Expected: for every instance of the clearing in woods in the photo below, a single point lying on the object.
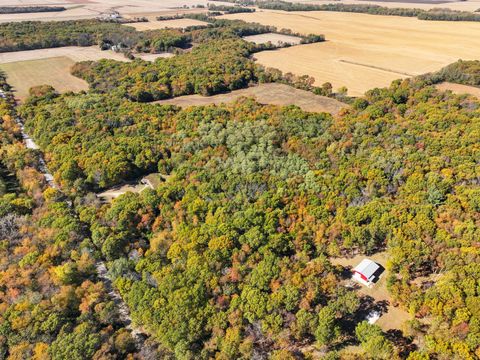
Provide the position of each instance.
(392, 317)
(167, 24)
(276, 39)
(274, 94)
(22, 75)
(366, 51)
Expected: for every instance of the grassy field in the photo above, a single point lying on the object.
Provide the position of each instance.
(153, 57)
(365, 51)
(276, 39)
(174, 24)
(25, 69)
(459, 89)
(22, 75)
(275, 94)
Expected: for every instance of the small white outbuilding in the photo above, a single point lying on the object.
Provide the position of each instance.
(366, 272)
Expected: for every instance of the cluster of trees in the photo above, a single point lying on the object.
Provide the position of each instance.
(30, 9)
(233, 248)
(27, 35)
(466, 72)
(213, 67)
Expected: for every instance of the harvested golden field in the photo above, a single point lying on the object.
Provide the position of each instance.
(164, 24)
(459, 89)
(366, 51)
(274, 94)
(75, 53)
(22, 75)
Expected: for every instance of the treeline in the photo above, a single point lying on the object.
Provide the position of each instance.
(436, 14)
(448, 15)
(355, 8)
(432, 14)
(230, 9)
(234, 245)
(30, 9)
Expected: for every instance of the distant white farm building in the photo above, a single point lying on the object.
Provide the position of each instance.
(367, 272)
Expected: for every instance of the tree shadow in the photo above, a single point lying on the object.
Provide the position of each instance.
(404, 344)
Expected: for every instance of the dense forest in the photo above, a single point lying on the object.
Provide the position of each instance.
(230, 256)
(234, 246)
(52, 305)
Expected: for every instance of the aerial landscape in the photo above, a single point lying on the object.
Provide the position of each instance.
(239, 179)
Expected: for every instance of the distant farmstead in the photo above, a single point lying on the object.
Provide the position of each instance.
(367, 272)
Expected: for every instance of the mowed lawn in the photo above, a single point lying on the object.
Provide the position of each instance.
(22, 75)
(365, 51)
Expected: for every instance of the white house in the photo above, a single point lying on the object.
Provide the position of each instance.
(366, 272)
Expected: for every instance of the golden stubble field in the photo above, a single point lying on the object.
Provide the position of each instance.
(366, 51)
